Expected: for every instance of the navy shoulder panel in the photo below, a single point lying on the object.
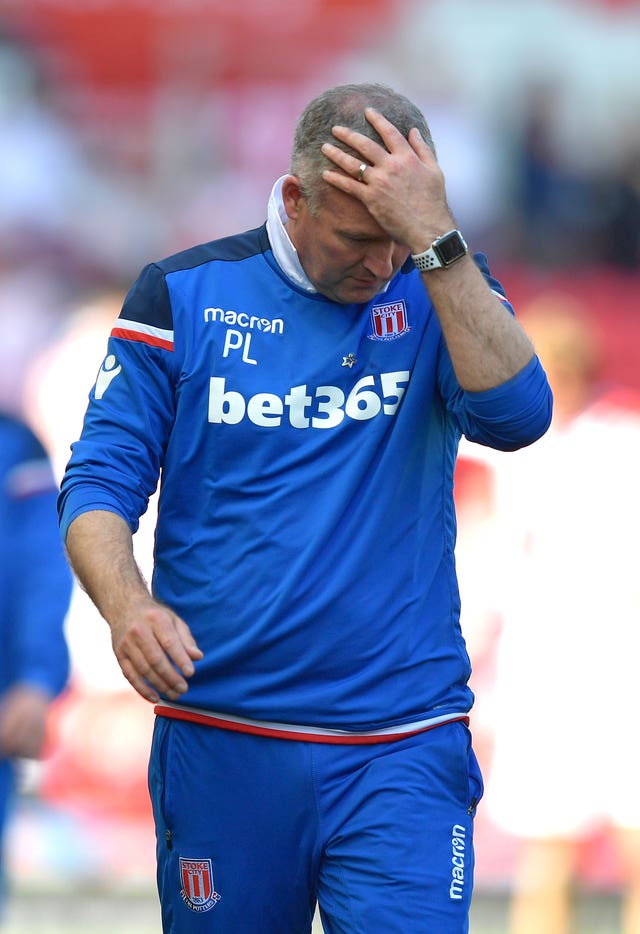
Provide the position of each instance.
(148, 303)
(230, 249)
(408, 266)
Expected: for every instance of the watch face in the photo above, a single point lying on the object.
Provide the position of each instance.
(450, 248)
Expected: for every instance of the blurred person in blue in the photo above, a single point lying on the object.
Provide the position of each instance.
(301, 388)
(565, 761)
(35, 591)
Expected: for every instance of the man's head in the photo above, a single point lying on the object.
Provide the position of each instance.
(344, 252)
(345, 105)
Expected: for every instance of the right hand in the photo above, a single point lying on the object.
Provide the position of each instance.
(155, 650)
(23, 720)
(403, 188)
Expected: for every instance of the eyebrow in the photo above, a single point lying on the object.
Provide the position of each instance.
(360, 235)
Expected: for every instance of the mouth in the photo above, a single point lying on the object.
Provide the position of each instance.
(367, 283)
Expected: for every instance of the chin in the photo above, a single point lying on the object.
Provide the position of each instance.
(361, 293)
(366, 295)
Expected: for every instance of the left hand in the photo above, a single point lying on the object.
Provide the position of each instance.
(23, 715)
(403, 186)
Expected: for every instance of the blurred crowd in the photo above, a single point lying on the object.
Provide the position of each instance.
(533, 109)
(542, 159)
(551, 582)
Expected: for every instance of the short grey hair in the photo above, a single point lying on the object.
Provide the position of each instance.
(345, 105)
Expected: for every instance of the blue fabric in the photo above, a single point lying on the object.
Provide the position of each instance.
(382, 835)
(7, 789)
(306, 524)
(35, 580)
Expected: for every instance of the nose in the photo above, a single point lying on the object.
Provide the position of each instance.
(379, 259)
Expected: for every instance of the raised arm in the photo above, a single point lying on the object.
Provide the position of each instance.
(154, 647)
(403, 188)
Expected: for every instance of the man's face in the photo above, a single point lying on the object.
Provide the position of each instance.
(344, 252)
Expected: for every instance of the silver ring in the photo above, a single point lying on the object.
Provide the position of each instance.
(361, 170)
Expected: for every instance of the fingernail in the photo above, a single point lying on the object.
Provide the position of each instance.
(176, 692)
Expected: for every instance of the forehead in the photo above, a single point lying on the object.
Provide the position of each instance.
(345, 214)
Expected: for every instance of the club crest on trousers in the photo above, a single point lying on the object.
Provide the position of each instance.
(197, 888)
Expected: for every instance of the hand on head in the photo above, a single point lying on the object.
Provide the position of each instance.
(400, 183)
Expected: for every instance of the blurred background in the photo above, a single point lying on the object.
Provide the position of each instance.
(130, 129)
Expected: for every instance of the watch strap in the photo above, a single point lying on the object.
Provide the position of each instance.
(443, 252)
(426, 261)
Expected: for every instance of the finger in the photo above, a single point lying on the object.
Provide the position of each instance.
(396, 144)
(363, 145)
(177, 654)
(175, 639)
(420, 146)
(390, 134)
(350, 164)
(152, 676)
(345, 183)
(190, 645)
(399, 145)
(144, 661)
(144, 689)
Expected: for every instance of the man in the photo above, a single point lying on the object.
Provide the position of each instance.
(35, 590)
(302, 388)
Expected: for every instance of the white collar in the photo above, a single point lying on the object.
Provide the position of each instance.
(283, 249)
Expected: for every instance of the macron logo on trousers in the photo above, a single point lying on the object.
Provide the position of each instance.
(458, 844)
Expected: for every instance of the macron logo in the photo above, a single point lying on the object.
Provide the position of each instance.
(458, 844)
(108, 372)
(243, 320)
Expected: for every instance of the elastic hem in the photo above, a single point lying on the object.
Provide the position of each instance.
(309, 734)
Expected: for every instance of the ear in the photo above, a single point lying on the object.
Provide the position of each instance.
(292, 196)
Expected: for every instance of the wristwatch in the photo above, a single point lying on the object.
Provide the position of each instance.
(443, 252)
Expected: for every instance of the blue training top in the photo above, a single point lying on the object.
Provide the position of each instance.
(35, 580)
(306, 522)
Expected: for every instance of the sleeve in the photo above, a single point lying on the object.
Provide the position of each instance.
(40, 581)
(507, 417)
(116, 463)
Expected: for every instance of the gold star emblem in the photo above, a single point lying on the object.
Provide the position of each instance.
(349, 360)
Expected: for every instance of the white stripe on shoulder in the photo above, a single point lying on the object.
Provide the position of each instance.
(141, 328)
